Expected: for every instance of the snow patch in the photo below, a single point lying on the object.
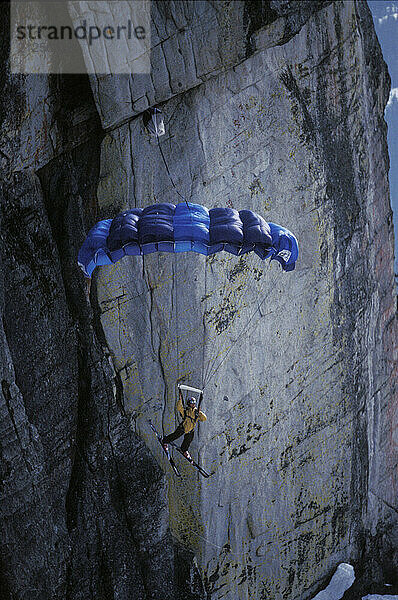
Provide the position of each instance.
(392, 13)
(393, 96)
(343, 579)
(378, 597)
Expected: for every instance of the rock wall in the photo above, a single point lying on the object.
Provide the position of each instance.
(273, 106)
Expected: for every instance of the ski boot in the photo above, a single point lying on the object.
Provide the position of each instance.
(188, 456)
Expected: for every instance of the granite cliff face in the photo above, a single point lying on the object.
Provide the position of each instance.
(273, 106)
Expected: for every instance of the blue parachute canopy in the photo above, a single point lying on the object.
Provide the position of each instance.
(182, 228)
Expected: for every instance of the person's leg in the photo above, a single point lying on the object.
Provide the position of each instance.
(175, 435)
(188, 437)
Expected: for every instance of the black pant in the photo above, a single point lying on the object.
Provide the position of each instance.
(188, 437)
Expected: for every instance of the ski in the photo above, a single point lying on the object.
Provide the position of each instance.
(191, 461)
(167, 453)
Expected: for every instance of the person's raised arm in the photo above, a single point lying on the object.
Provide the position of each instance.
(201, 415)
(180, 402)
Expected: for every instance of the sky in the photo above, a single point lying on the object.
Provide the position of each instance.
(385, 18)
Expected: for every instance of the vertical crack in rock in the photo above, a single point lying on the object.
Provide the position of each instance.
(5, 386)
(162, 372)
(157, 352)
(308, 126)
(142, 558)
(119, 393)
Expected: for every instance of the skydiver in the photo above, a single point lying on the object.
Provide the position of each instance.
(190, 415)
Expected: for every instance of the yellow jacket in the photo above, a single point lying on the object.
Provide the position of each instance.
(190, 416)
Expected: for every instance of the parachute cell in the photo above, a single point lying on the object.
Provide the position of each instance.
(186, 227)
(93, 251)
(286, 245)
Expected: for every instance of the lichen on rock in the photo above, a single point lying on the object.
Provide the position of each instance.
(273, 106)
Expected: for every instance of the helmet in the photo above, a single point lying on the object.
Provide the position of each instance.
(191, 401)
